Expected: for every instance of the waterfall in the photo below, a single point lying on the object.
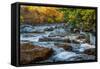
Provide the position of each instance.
(92, 39)
(81, 26)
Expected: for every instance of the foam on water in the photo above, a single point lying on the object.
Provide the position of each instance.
(59, 54)
(31, 39)
(64, 56)
(85, 46)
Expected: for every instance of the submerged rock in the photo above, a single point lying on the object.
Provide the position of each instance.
(81, 37)
(58, 39)
(71, 56)
(66, 47)
(31, 29)
(90, 51)
(78, 41)
(49, 29)
(58, 32)
(74, 30)
(26, 28)
(30, 53)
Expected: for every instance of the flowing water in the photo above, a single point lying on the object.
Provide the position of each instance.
(52, 35)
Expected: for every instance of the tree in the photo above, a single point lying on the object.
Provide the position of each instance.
(34, 14)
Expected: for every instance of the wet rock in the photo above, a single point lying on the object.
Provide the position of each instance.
(81, 37)
(90, 51)
(57, 39)
(26, 28)
(28, 35)
(31, 29)
(38, 31)
(30, 53)
(49, 29)
(24, 41)
(78, 41)
(58, 32)
(74, 30)
(66, 47)
(68, 40)
(75, 41)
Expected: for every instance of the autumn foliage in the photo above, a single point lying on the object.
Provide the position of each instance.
(30, 14)
(78, 18)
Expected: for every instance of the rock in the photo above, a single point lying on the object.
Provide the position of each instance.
(75, 41)
(24, 41)
(66, 47)
(90, 51)
(49, 29)
(74, 30)
(38, 31)
(30, 53)
(78, 41)
(28, 35)
(68, 40)
(31, 29)
(58, 32)
(58, 39)
(26, 28)
(81, 37)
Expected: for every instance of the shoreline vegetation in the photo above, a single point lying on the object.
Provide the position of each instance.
(76, 17)
(51, 34)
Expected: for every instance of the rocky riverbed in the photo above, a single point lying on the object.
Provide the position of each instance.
(55, 43)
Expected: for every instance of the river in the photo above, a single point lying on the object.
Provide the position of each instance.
(53, 35)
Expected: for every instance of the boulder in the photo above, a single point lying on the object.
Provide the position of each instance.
(58, 32)
(90, 51)
(75, 41)
(66, 47)
(53, 39)
(74, 30)
(30, 53)
(49, 29)
(26, 28)
(78, 41)
(81, 37)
